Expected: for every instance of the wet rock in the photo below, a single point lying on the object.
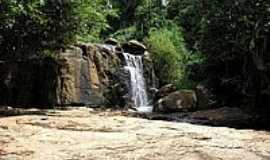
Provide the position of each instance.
(179, 101)
(153, 91)
(151, 79)
(118, 94)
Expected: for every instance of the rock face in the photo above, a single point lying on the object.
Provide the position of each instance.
(151, 79)
(78, 79)
(31, 82)
(179, 101)
(85, 74)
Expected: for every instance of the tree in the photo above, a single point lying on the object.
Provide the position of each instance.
(137, 18)
(188, 14)
(170, 56)
(93, 17)
(27, 28)
(234, 38)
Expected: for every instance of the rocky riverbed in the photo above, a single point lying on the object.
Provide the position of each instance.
(85, 134)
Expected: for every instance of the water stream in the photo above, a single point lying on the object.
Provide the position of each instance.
(134, 65)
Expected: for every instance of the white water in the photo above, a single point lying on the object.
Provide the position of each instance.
(138, 87)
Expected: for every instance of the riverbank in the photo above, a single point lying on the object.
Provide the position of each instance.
(85, 134)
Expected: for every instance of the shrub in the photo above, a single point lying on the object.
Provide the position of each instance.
(170, 56)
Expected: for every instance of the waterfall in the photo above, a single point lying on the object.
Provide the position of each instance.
(138, 91)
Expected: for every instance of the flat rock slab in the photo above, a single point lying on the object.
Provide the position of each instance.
(84, 134)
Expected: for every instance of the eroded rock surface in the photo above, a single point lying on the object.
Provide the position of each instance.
(85, 134)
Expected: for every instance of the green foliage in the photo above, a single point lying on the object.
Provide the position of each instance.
(126, 10)
(125, 34)
(164, 55)
(150, 14)
(93, 19)
(170, 57)
(234, 39)
(29, 27)
(136, 18)
(188, 15)
(231, 36)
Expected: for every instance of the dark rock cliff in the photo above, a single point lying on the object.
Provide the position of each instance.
(30, 82)
(85, 74)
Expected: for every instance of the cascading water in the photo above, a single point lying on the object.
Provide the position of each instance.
(134, 65)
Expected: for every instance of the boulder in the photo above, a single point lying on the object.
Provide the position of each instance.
(165, 91)
(111, 41)
(136, 44)
(105, 49)
(179, 101)
(134, 47)
(153, 91)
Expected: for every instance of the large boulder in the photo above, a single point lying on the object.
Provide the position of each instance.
(134, 47)
(179, 101)
(165, 91)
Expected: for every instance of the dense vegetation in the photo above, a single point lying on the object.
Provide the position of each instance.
(222, 43)
(41, 26)
(234, 38)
